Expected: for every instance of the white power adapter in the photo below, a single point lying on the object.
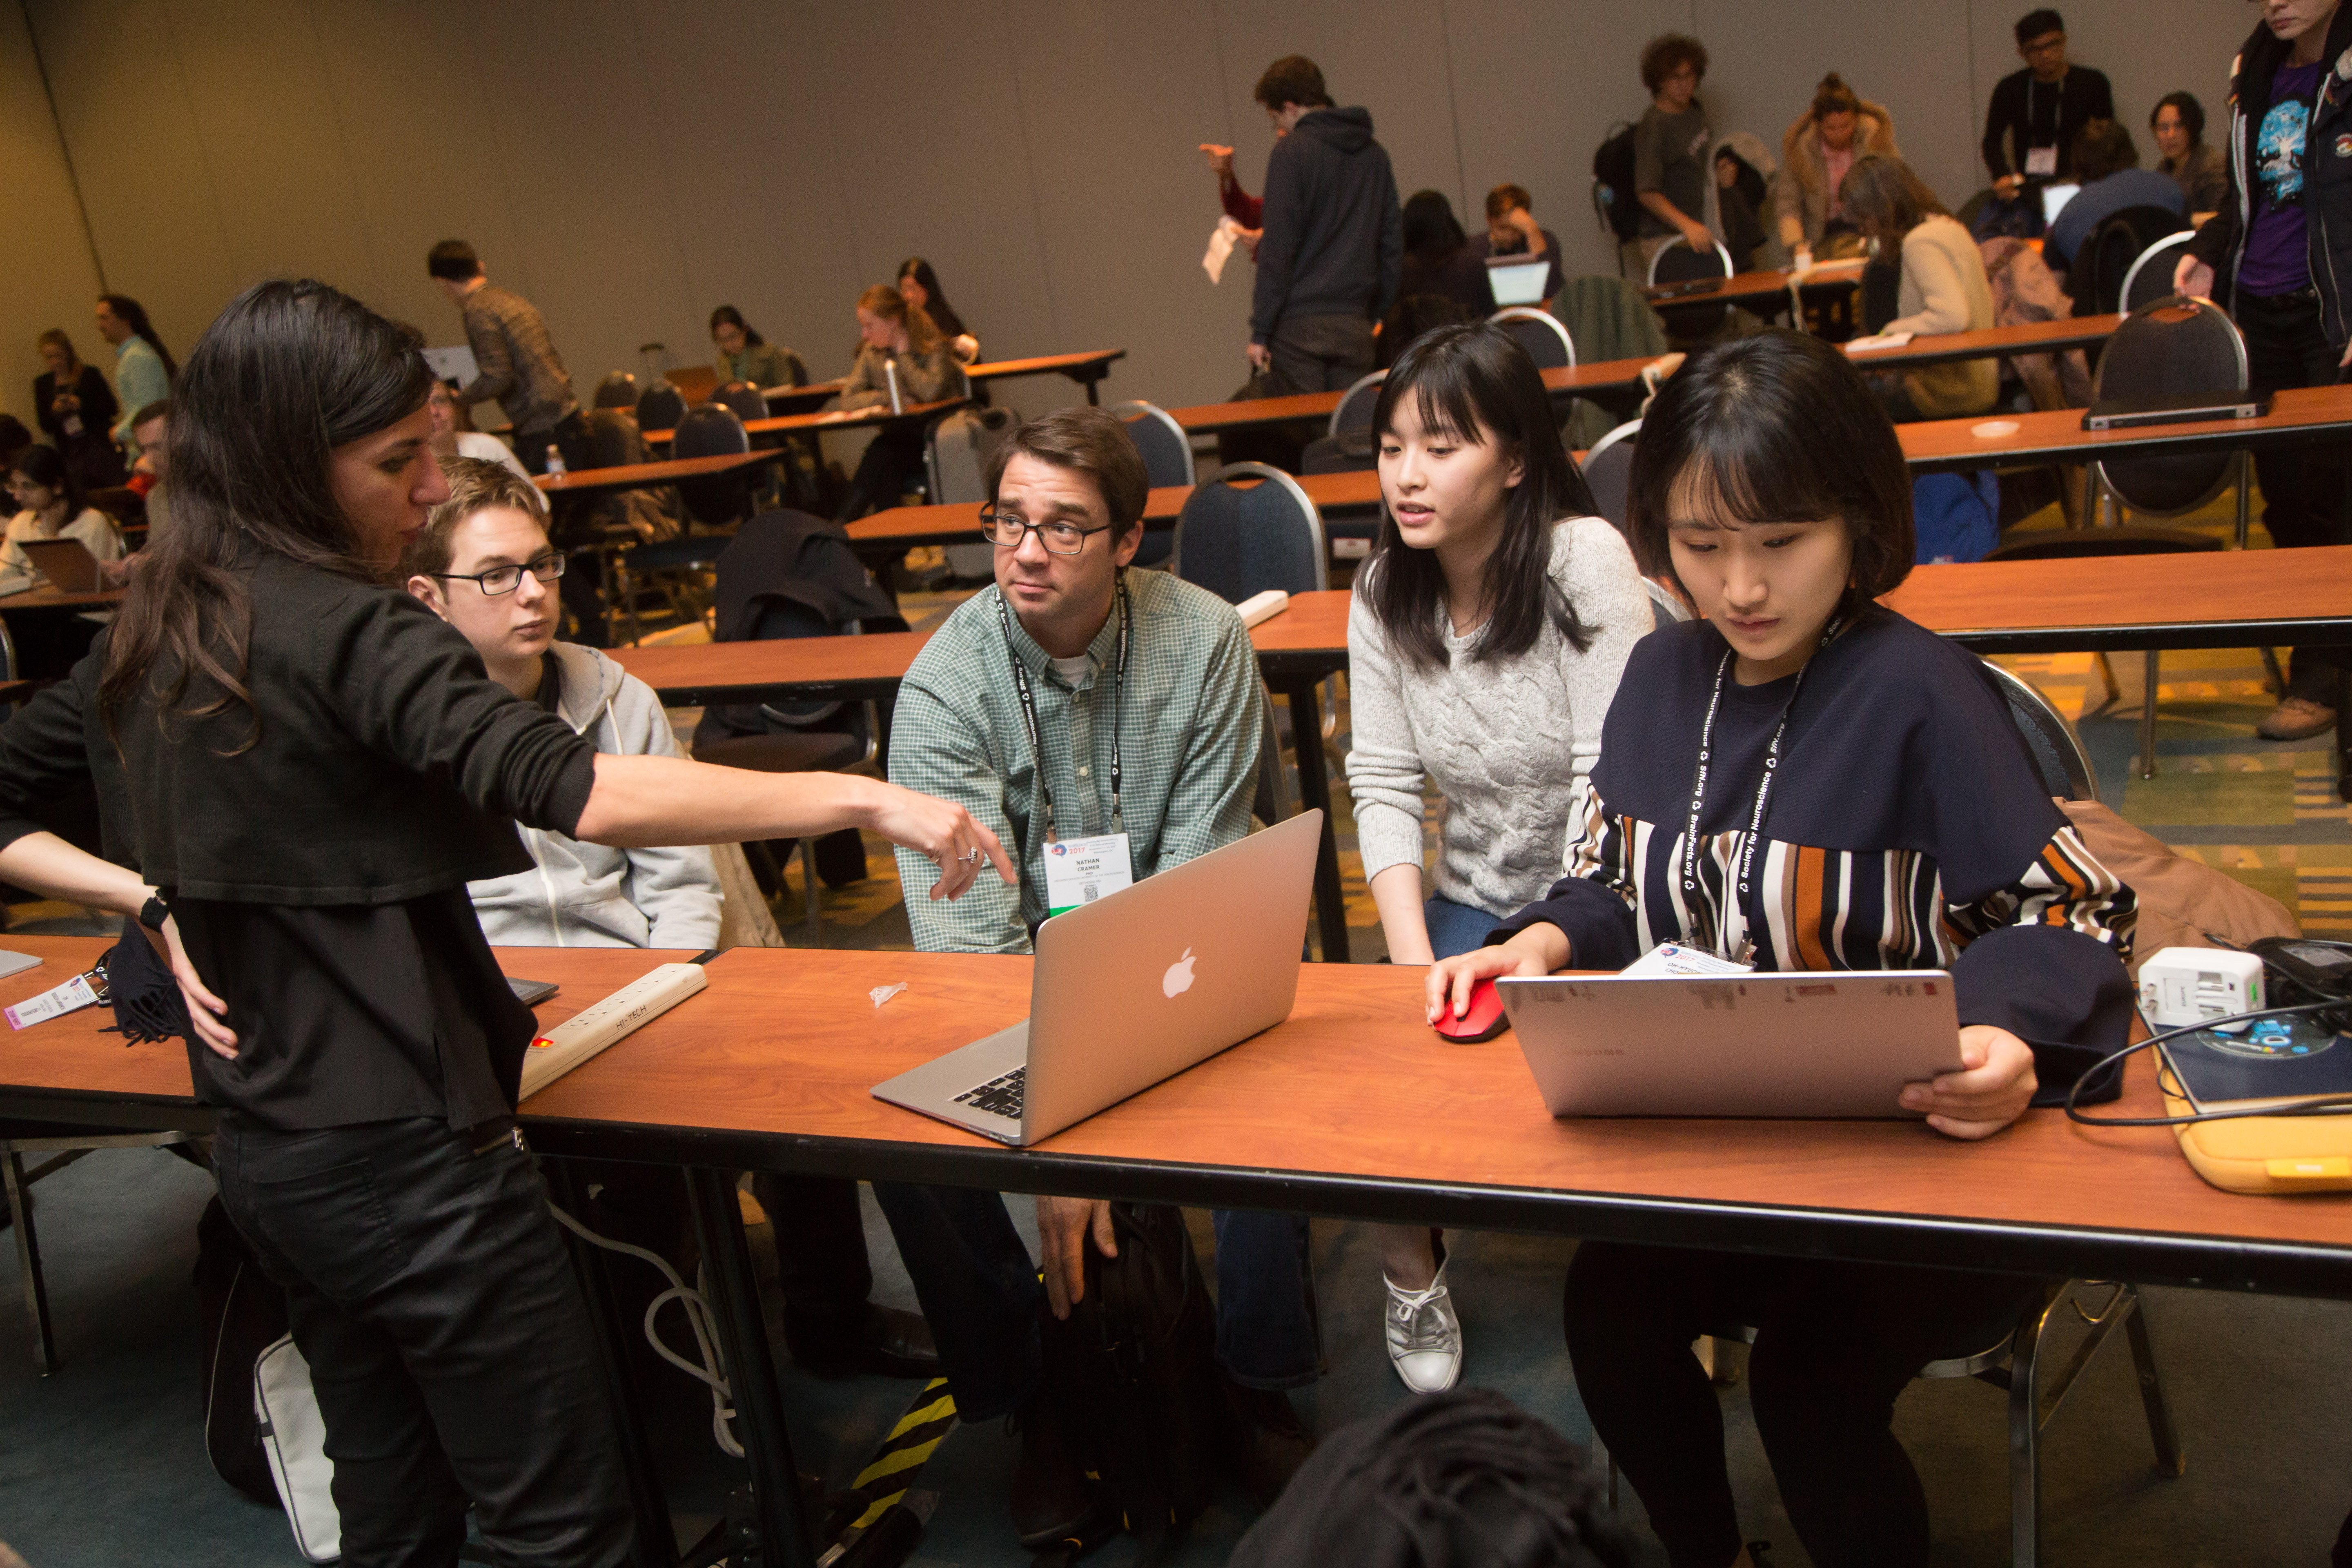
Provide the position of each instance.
(2179, 986)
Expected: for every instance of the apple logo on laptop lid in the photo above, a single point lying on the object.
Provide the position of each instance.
(1178, 978)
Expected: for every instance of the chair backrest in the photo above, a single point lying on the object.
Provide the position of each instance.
(1356, 404)
(661, 408)
(711, 430)
(743, 398)
(618, 390)
(2174, 345)
(1540, 333)
(613, 439)
(1676, 262)
(2083, 544)
(1608, 473)
(1236, 543)
(1349, 454)
(2150, 277)
(2095, 278)
(2058, 755)
(1167, 450)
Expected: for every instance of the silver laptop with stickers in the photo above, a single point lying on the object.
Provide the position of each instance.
(1134, 988)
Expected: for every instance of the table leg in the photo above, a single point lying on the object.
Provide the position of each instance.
(2344, 733)
(656, 1542)
(28, 1260)
(1315, 790)
(751, 1370)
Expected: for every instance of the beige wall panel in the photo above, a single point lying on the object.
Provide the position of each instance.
(148, 177)
(52, 276)
(1118, 101)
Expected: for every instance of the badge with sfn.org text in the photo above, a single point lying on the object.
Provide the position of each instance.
(1080, 870)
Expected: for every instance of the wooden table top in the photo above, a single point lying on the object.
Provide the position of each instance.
(47, 596)
(2029, 337)
(2297, 415)
(1826, 276)
(1075, 366)
(1354, 1106)
(581, 481)
(86, 1071)
(801, 399)
(904, 527)
(832, 419)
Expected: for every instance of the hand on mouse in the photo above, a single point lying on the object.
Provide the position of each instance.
(1536, 951)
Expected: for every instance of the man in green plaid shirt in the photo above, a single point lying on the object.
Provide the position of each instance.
(1172, 763)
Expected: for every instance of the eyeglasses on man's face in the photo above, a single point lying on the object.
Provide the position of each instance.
(1008, 530)
(507, 579)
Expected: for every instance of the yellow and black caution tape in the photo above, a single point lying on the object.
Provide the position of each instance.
(901, 1460)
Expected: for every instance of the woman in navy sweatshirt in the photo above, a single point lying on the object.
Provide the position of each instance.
(1865, 803)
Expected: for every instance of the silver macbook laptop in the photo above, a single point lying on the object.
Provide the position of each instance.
(1135, 988)
(1832, 1043)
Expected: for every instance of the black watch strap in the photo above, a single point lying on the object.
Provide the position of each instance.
(154, 912)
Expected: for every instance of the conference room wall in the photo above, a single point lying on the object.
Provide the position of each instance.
(628, 168)
(52, 272)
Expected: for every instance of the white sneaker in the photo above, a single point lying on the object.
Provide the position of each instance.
(1424, 1336)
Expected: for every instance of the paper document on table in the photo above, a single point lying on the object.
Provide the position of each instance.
(589, 1031)
(1220, 246)
(1883, 341)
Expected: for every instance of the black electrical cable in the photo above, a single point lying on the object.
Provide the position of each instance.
(2326, 1105)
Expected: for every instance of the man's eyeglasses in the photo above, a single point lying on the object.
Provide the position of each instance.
(507, 579)
(1006, 530)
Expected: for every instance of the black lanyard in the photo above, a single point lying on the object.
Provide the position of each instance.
(1029, 707)
(1763, 785)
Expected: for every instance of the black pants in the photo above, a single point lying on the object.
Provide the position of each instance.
(581, 591)
(1835, 1343)
(1321, 354)
(894, 457)
(820, 1262)
(448, 1340)
(568, 436)
(2302, 486)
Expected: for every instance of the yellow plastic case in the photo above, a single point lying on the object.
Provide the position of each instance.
(2265, 1153)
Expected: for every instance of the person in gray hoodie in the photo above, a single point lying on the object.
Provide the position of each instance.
(1333, 250)
(482, 562)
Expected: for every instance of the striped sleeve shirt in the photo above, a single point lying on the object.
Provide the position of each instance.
(1186, 736)
(1907, 829)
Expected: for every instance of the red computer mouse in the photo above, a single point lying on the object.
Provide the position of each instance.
(1484, 1021)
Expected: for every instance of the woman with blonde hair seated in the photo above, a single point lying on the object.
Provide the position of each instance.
(896, 343)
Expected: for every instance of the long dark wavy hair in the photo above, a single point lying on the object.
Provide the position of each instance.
(1476, 385)
(935, 299)
(42, 465)
(134, 315)
(286, 374)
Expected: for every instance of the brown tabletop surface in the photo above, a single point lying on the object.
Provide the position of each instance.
(1354, 1090)
(71, 1057)
(1601, 376)
(694, 674)
(831, 419)
(668, 471)
(2297, 413)
(47, 596)
(1762, 284)
(2027, 337)
(1090, 359)
(908, 526)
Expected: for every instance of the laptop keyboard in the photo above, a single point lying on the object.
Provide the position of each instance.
(999, 1096)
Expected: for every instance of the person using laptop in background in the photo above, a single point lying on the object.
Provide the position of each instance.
(483, 563)
(1484, 641)
(1081, 701)
(52, 506)
(1861, 800)
(1512, 230)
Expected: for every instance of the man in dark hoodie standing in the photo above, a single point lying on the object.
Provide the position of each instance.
(1333, 250)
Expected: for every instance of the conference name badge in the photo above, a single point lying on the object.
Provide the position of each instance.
(1080, 870)
(81, 991)
(2041, 161)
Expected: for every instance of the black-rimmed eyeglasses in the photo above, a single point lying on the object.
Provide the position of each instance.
(1006, 530)
(507, 579)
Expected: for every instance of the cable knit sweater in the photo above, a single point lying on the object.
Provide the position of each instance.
(1501, 740)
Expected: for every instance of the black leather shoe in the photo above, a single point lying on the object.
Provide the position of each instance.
(886, 1344)
(1269, 1441)
(1052, 1501)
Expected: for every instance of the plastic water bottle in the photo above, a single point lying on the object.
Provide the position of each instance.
(890, 372)
(554, 460)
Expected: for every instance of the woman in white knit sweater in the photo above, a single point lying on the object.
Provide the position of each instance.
(1488, 631)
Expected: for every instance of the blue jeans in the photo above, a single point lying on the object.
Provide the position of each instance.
(1455, 928)
(982, 1295)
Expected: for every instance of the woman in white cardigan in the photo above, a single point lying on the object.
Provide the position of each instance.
(1944, 288)
(1488, 631)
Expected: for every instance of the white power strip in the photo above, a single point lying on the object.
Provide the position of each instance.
(592, 1028)
(1263, 606)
